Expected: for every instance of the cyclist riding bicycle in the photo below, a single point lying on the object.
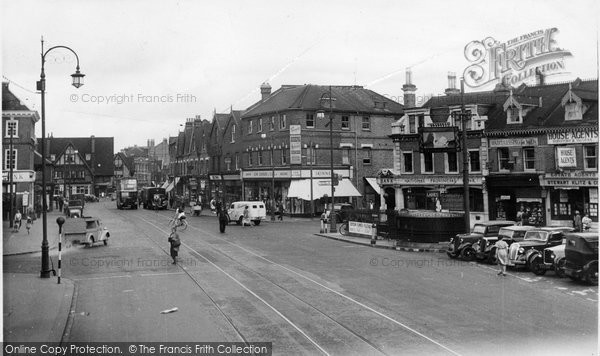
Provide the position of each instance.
(179, 215)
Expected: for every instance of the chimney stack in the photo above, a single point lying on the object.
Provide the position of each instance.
(265, 91)
(409, 91)
(452, 90)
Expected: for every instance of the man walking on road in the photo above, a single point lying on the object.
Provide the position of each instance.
(175, 243)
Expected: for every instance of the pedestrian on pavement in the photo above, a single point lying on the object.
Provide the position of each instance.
(246, 218)
(586, 222)
(501, 255)
(17, 222)
(175, 243)
(29, 223)
(280, 210)
(61, 202)
(577, 224)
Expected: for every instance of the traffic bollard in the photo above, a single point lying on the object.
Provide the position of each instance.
(373, 234)
(60, 221)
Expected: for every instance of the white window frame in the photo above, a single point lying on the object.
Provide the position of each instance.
(447, 163)
(346, 122)
(500, 169)
(509, 115)
(259, 128)
(416, 124)
(237, 161)
(525, 149)
(365, 120)
(232, 133)
(432, 164)
(310, 118)
(7, 156)
(16, 131)
(586, 157)
(282, 122)
(346, 156)
(367, 156)
(412, 161)
(471, 170)
(249, 127)
(272, 123)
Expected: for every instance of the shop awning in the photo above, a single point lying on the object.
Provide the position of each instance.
(373, 183)
(301, 189)
(165, 185)
(170, 187)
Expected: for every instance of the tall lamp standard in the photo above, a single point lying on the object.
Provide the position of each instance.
(41, 86)
(263, 136)
(12, 124)
(465, 157)
(321, 115)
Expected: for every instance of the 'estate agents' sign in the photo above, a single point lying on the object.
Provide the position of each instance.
(570, 179)
(568, 137)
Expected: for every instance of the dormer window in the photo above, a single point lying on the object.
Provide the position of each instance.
(573, 111)
(514, 115)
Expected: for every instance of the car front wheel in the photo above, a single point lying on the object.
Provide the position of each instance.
(591, 275)
(468, 254)
(256, 222)
(536, 266)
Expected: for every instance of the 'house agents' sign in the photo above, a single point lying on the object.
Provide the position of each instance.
(569, 137)
(513, 61)
(566, 157)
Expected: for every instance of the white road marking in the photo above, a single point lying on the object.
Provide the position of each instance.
(323, 286)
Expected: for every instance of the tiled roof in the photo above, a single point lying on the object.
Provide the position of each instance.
(104, 150)
(354, 99)
(10, 100)
(550, 114)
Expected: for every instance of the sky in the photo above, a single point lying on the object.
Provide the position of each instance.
(149, 65)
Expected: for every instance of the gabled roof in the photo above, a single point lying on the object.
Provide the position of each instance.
(127, 161)
(352, 99)
(104, 148)
(10, 100)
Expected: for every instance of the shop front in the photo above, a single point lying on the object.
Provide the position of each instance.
(437, 193)
(510, 194)
(569, 192)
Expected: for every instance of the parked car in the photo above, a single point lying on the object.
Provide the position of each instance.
(535, 241)
(581, 253)
(484, 247)
(458, 244)
(91, 198)
(342, 211)
(257, 211)
(552, 258)
(95, 232)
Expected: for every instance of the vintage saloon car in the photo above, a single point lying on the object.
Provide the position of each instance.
(524, 252)
(490, 229)
(552, 258)
(581, 253)
(484, 248)
(95, 232)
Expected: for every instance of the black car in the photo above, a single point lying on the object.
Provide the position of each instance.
(523, 253)
(462, 244)
(581, 253)
(342, 212)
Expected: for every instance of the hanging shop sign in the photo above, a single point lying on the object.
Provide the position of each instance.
(438, 139)
(566, 157)
(514, 142)
(514, 61)
(20, 176)
(295, 144)
(570, 137)
(570, 179)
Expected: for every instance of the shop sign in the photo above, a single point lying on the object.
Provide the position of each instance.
(231, 176)
(295, 144)
(428, 180)
(570, 179)
(566, 157)
(214, 177)
(514, 61)
(514, 142)
(20, 176)
(361, 228)
(504, 197)
(570, 137)
(294, 173)
(434, 194)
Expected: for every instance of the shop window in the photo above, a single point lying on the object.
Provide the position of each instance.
(345, 123)
(451, 162)
(529, 158)
(590, 157)
(427, 162)
(368, 155)
(504, 162)
(310, 121)
(346, 156)
(8, 162)
(474, 162)
(408, 162)
(366, 123)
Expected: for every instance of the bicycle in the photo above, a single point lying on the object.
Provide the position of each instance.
(175, 223)
(343, 229)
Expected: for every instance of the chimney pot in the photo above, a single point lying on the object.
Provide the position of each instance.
(409, 90)
(265, 90)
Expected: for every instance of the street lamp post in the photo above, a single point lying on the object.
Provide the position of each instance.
(321, 115)
(11, 131)
(465, 156)
(41, 86)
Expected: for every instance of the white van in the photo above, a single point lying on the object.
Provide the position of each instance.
(257, 210)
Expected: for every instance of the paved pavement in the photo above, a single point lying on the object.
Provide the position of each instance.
(35, 309)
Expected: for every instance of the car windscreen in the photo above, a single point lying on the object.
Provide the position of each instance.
(506, 233)
(479, 229)
(536, 235)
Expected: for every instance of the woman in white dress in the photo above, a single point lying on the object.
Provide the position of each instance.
(502, 255)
